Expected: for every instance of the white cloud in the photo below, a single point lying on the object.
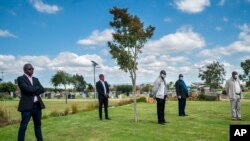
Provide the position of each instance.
(44, 8)
(225, 19)
(192, 6)
(184, 39)
(168, 19)
(218, 28)
(73, 60)
(221, 2)
(97, 38)
(6, 33)
(244, 58)
(242, 45)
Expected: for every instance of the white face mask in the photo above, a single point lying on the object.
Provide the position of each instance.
(181, 78)
(235, 76)
(163, 75)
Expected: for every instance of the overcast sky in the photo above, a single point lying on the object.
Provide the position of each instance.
(67, 34)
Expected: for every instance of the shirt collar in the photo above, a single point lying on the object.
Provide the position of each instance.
(28, 75)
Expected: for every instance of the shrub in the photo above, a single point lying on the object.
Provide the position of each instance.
(55, 113)
(4, 114)
(141, 99)
(91, 106)
(207, 97)
(45, 116)
(66, 111)
(5, 97)
(74, 108)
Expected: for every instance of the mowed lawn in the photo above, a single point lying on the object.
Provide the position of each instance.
(207, 121)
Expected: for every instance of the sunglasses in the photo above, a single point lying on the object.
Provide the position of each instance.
(30, 68)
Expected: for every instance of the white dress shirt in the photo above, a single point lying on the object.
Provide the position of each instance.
(31, 81)
(105, 92)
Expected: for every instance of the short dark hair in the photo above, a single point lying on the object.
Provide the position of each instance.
(234, 73)
(101, 75)
(26, 65)
(180, 75)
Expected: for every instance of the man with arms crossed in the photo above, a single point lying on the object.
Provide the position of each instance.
(30, 104)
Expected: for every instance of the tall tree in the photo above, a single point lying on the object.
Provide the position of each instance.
(90, 87)
(62, 78)
(128, 40)
(79, 82)
(246, 69)
(7, 87)
(213, 74)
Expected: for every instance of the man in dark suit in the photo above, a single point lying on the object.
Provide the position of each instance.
(182, 94)
(30, 104)
(102, 88)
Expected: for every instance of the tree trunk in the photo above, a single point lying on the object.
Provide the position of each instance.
(135, 103)
(66, 94)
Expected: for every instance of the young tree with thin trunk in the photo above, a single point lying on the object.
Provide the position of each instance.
(128, 40)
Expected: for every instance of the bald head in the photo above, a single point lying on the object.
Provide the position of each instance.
(28, 69)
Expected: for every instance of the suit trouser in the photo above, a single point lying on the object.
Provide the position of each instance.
(235, 107)
(103, 101)
(36, 114)
(182, 106)
(161, 109)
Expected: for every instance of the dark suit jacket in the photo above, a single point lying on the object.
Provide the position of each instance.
(100, 88)
(180, 90)
(28, 92)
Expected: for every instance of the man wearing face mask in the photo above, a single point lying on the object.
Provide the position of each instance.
(160, 93)
(182, 94)
(233, 89)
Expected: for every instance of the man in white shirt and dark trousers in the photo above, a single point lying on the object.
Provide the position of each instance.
(102, 88)
(30, 104)
(160, 93)
(233, 89)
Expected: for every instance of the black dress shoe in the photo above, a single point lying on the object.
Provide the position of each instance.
(108, 118)
(162, 123)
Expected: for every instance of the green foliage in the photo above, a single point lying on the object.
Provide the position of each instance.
(90, 88)
(4, 97)
(3, 114)
(45, 116)
(79, 83)
(66, 111)
(7, 87)
(203, 97)
(74, 108)
(141, 99)
(246, 69)
(213, 74)
(146, 88)
(124, 88)
(55, 113)
(128, 40)
(61, 78)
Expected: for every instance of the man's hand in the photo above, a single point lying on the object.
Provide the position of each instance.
(179, 97)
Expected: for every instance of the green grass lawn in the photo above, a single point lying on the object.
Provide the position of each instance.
(207, 121)
(246, 95)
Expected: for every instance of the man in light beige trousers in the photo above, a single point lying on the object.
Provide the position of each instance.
(234, 91)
